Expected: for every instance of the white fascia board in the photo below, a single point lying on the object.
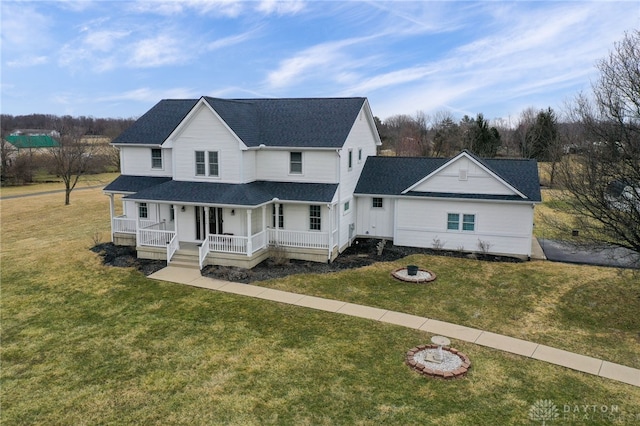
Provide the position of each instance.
(372, 122)
(470, 200)
(289, 148)
(137, 145)
(183, 203)
(118, 192)
(469, 157)
(168, 143)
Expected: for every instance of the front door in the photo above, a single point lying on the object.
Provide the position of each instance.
(215, 220)
(201, 230)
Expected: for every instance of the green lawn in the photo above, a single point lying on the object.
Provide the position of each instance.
(87, 344)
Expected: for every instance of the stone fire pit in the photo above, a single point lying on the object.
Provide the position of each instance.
(422, 276)
(454, 364)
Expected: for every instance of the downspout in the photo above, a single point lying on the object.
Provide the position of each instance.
(330, 231)
(339, 151)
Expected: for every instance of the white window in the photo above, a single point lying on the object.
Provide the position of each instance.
(359, 155)
(156, 158)
(207, 163)
(377, 203)
(213, 164)
(143, 211)
(295, 163)
(347, 206)
(200, 164)
(350, 159)
(453, 221)
(280, 216)
(468, 222)
(315, 218)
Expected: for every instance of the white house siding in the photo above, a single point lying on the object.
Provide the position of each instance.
(375, 222)
(362, 137)
(249, 166)
(317, 166)
(206, 132)
(478, 180)
(136, 161)
(506, 227)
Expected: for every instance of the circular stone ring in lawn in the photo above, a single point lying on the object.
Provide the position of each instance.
(454, 364)
(422, 276)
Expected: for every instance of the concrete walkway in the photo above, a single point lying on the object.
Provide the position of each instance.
(571, 360)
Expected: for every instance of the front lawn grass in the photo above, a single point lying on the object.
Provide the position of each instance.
(55, 183)
(83, 343)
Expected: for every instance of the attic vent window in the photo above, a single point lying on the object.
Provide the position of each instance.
(462, 174)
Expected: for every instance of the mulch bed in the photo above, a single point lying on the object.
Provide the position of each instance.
(362, 252)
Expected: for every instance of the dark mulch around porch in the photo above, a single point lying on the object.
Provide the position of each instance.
(362, 252)
(125, 256)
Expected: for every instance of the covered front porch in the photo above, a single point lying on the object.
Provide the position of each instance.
(225, 235)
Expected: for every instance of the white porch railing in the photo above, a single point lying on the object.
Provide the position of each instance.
(259, 241)
(154, 238)
(172, 247)
(203, 251)
(124, 225)
(152, 224)
(127, 225)
(228, 244)
(303, 239)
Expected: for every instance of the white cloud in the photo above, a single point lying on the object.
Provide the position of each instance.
(145, 94)
(228, 8)
(104, 40)
(230, 40)
(280, 7)
(28, 61)
(156, 51)
(325, 59)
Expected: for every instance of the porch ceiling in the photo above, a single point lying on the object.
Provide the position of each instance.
(246, 194)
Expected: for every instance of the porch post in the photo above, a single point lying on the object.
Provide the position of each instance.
(113, 212)
(249, 233)
(137, 223)
(176, 212)
(330, 207)
(264, 226)
(207, 231)
(277, 220)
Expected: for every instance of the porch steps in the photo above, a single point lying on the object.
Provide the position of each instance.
(185, 258)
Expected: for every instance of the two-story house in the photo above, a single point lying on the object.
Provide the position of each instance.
(232, 179)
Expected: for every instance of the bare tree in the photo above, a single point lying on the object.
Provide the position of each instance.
(603, 181)
(526, 120)
(406, 134)
(446, 134)
(71, 159)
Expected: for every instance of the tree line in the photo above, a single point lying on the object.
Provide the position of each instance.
(108, 127)
(83, 147)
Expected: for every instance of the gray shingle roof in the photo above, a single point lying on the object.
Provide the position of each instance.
(247, 194)
(155, 126)
(132, 184)
(288, 122)
(392, 175)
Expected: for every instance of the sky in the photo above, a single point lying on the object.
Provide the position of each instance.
(119, 58)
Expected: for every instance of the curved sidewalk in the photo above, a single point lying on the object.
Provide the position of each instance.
(512, 345)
